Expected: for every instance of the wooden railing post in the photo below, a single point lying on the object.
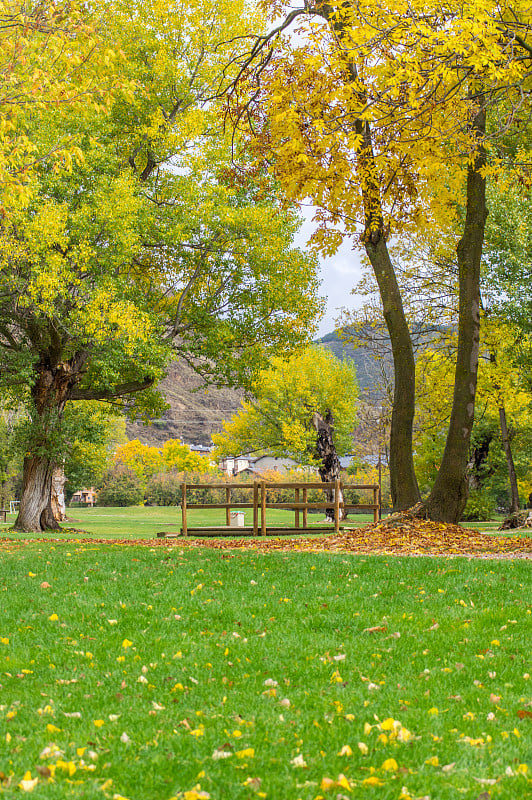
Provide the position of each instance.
(184, 508)
(255, 508)
(376, 502)
(296, 494)
(228, 510)
(263, 508)
(336, 505)
(305, 510)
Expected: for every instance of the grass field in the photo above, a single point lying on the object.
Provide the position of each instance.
(140, 522)
(171, 673)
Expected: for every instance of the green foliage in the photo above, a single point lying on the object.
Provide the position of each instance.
(507, 259)
(117, 264)
(121, 487)
(480, 505)
(95, 432)
(164, 489)
(278, 418)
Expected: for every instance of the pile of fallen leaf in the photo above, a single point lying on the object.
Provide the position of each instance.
(412, 537)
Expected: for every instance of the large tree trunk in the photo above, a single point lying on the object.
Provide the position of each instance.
(448, 497)
(403, 483)
(329, 470)
(36, 488)
(52, 389)
(514, 491)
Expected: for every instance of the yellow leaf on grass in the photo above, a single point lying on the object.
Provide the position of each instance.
(390, 765)
(345, 751)
(53, 618)
(249, 752)
(387, 725)
(373, 781)
(364, 749)
(343, 783)
(52, 728)
(196, 794)
(340, 783)
(98, 723)
(433, 711)
(126, 643)
(28, 784)
(433, 762)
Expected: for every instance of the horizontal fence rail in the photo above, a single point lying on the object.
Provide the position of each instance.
(261, 503)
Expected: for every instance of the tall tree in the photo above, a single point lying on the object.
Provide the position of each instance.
(377, 113)
(145, 250)
(303, 407)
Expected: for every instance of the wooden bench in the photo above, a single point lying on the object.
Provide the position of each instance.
(3, 514)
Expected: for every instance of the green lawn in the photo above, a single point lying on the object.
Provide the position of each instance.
(166, 673)
(141, 522)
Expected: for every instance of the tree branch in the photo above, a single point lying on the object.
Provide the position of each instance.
(118, 391)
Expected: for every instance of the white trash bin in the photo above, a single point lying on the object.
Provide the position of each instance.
(236, 519)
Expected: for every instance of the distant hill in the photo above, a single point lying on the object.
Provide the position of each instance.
(194, 414)
(369, 368)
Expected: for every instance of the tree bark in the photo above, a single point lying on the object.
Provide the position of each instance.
(36, 488)
(448, 497)
(514, 491)
(330, 468)
(51, 391)
(403, 482)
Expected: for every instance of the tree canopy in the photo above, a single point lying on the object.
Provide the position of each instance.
(144, 249)
(377, 112)
(278, 417)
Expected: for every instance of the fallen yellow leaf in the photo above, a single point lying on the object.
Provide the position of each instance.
(390, 765)
(28, 784)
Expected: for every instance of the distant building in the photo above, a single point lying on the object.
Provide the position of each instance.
(261, 464)
(234, 465)
(246, 465)
(86, 497)
(199, 448)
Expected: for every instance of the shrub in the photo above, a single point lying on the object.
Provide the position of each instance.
(480, 506)
(121, 487)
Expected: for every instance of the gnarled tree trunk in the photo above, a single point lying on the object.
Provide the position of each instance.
(403, 482)
(330, 463)
(36, 488)
(50, 393)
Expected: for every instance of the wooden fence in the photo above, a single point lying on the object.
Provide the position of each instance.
(260, 503)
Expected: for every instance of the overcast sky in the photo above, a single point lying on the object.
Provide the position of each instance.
(339, 274)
